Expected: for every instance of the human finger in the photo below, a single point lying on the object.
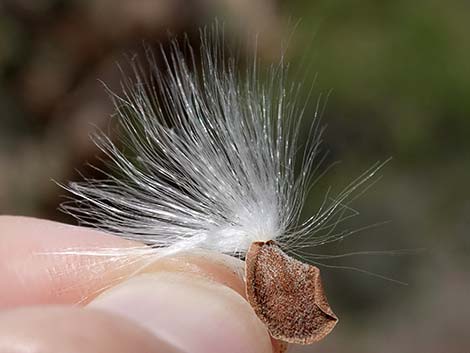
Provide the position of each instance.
(62, 329)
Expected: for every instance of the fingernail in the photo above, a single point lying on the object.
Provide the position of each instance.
(193, 314)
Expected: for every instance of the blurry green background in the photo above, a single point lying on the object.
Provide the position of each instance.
(399, 73)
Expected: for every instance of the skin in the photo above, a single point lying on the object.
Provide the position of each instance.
(190, 303)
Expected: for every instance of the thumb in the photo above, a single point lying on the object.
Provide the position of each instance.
(193, 303)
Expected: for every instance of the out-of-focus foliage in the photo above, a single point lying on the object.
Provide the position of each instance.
(403, 65)
(400, 79)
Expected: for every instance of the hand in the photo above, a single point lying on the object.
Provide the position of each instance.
(188, 303)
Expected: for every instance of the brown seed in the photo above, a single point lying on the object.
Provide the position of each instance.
(287, 295)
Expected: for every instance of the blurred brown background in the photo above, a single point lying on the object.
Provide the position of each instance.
(400, 78)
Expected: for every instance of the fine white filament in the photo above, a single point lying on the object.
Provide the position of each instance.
(209, 159)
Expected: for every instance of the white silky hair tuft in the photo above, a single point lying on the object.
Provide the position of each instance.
(208, 158)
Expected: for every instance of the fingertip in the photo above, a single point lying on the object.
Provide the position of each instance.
(193, 313)
(30, 279)
(30, 274)
(74, 330)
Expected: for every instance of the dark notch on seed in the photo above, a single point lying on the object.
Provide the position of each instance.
(287, 295)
